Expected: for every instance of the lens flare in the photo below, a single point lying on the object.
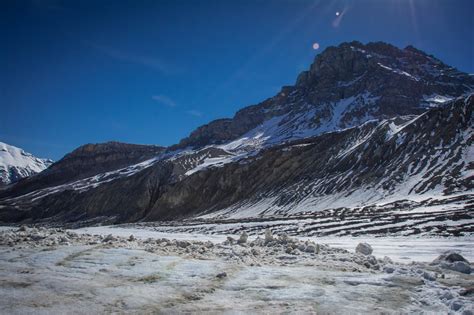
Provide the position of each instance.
(315, 46)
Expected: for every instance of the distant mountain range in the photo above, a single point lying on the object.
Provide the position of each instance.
(16, 164)
(365, 125)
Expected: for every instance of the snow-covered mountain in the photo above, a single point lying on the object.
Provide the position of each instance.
(16, 164)
(367, 125)
(345, 86)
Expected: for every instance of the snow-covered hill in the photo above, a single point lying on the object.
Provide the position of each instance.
(16, 164)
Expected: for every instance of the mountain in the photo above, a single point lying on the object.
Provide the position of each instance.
(365, 126)
(344, 87)
(87, 161)
(16, 164)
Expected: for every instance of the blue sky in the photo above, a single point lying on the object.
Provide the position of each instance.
(76, 72)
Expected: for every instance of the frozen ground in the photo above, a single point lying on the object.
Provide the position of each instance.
(54, 271)
(400, 249)
(408, 249)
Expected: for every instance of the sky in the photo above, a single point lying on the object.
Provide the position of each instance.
(150, 72)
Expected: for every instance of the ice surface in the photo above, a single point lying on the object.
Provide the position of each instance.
(402, 249)
(152, 275)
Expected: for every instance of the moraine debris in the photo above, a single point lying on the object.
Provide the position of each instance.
(364, 249)
(243, 238)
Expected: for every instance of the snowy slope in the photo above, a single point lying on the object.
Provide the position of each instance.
(15, 164)
(426, 159)
(414, 161)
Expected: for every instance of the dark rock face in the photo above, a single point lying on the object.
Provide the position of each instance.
(222, 130)
(92, 159)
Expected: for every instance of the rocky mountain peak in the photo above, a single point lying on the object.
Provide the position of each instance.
(345, 86)
(350, 60)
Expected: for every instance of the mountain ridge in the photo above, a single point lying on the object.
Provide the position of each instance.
(157, 192)
(87, 160)
(338, 73)
(350, 133)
